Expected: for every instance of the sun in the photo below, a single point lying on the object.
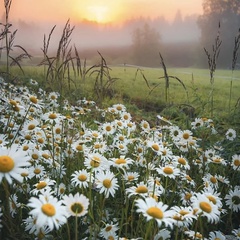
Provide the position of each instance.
(98, 13)
(105, 12)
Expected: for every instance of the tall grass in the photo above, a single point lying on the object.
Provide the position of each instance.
(212, 65)
(7, 37)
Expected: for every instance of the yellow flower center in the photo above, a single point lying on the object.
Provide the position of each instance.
(183, 212)
(57, 130)
(95, 134)
(52, 116)
(130, 178)
(79, 147)
(186, 136)
(13, 102)
(155, 212)
(37, 170)
(205, 206)
(107, 183)
(6, 164)
(48, 209)
(145, 125)
(120, 161)
(141, 189)
(108, 228)
(213, 179)
(41, 185)
(95, 162)
(31, 127)
(212, 199)
(108, 128)
(188, 178)
(25, 148)
(45, 155)
(121, 138)
(33, 99)
(182, 161)
(168, 170)
(82, 177)
(155, 147)
(77, 208)
(236, 162)
(187, 196)
(35, 156)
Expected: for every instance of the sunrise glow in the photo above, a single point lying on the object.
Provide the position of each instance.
(101, 11)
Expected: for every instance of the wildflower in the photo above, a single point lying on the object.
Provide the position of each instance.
(43, 185)
(80, 178)
(198, 122)
(119, 108)
(186, 136)
(37, 171)
(175, 133)
(13, 204)
(96, 162)
(235, 162)
(108, 128)
(163, 234)
(168, 171)
(141, 189)
(155, 210)
(216, 235)
(131, 176)
(145, 126)
(230, 134)
(181, 162)
(12, 162)
(76, 205)
(195, 235)
(233, 199)
(48, 211)
(203, 206)
(122, 162)
(236, 233)
(33, 82)
(60, 189)
(183, 216)
(109, 230)
(126, 117)
(107, 183)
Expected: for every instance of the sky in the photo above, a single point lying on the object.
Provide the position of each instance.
(102, 11)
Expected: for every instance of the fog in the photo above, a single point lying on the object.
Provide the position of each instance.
(91, 35)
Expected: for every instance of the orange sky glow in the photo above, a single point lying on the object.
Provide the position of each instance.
(102, 11)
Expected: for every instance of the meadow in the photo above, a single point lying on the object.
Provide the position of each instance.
(93, 151)
(76, 168)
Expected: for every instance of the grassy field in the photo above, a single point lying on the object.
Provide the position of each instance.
(143, 90)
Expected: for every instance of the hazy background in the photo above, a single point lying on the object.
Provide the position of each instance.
(124, 31)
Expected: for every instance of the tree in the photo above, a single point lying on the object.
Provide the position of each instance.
(146, 43)
(227, 14)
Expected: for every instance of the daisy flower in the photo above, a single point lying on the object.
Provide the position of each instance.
(96, 162)
(48, 211)
(122, 162)
(155, 210)
(119, 108)
(168, 171)
(108, 230)
(13, 204)
(216, 235)
(131, 177)
(203, 206)
(107, 183)
(80, 178)
(12, 162)
(233, 199)
(141, 189)
(108, 128)
(235, 162)
(163, 234)
(43, 185)
(183, 216)
(76, 205)
(198, 122)
(181, 162)
(236, 233)
(145, 126)
(230, 134)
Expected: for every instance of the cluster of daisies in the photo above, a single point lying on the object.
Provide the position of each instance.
(81, 172)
